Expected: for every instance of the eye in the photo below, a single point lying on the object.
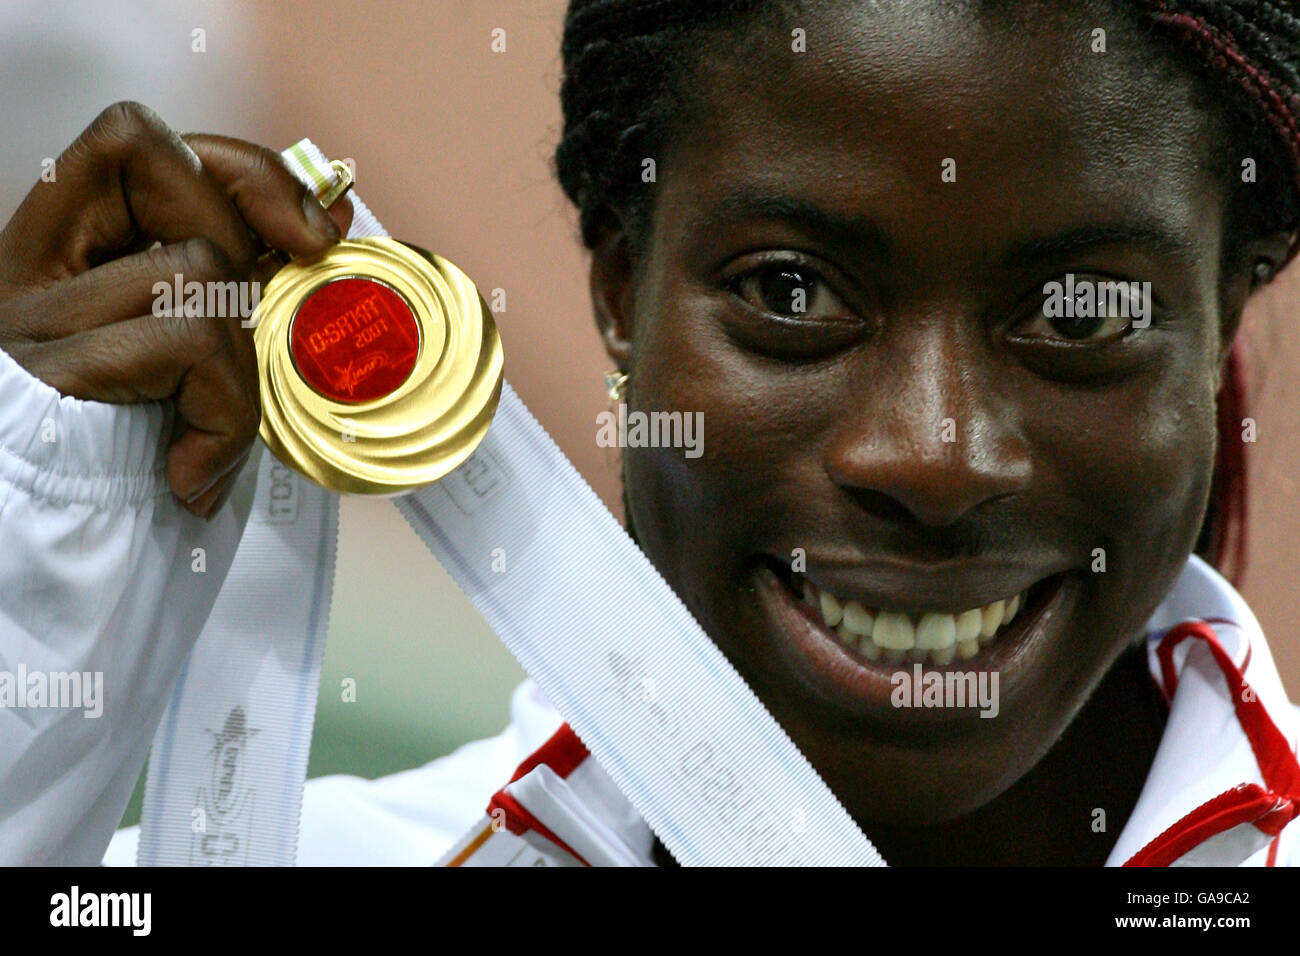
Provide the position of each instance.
(790, 310)
(1088, 310)
(790, 289)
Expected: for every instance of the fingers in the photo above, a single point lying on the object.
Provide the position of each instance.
(196, 360)
(341, 213)
(285, 214)
(271, 262)
(141, 284)
(97, 267)
(209, 502)
(183, 462)
(138, 360)
(127, 180)
(202, 455)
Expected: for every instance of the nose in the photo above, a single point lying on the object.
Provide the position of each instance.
(930, 437)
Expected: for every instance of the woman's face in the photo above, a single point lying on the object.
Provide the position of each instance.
(921, 433)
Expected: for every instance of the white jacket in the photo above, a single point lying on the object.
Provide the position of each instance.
(96, 576)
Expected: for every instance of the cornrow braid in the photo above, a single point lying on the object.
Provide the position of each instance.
(623, 63)
(1255, 46)
(619, 58)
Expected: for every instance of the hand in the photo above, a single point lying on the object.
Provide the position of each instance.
(133, 204)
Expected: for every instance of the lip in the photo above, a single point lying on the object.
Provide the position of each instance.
(887, 587)
(848, 681)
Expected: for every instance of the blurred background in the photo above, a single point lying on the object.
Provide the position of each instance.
(452, 145)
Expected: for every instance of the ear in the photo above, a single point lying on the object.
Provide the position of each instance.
(613, 283)
(1260, 262)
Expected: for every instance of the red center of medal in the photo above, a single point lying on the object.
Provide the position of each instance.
(354, 340)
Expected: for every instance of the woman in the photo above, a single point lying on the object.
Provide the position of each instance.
(834, 229)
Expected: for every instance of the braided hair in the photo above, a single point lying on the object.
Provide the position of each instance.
(623, 88)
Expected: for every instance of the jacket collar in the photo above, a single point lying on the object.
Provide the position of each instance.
(1225, 780)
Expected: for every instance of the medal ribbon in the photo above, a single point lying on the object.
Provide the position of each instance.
(578, 604)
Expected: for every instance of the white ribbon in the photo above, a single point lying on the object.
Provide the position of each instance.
(652, 698)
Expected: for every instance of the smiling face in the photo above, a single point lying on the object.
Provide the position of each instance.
(928, 440)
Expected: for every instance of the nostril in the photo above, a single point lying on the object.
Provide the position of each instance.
(932, 493)
(929, 471)
(882, 506)
(928, 537)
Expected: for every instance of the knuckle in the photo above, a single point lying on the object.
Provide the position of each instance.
(203, 257)
(130, 112)
(199, 338)
(126, 125)
(262, 161)
(272, 166)
(21, 321)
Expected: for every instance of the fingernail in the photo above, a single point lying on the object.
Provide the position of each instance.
(212, 482)
(222, 497)
(200, 505)
(318, 218)
(203, 490)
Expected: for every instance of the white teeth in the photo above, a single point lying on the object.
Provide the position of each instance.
(858, 619)
(936, 632)
(832, 610)
(894, 632)
(969, 624)
(943, 655)
(896, 637)
(991, 617)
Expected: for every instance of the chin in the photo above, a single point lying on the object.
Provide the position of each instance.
(918, 738)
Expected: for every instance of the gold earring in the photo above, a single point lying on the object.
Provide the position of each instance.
(615, 384)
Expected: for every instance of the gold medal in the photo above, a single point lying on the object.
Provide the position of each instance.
(380, 366)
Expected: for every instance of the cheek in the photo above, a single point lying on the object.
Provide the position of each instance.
(692, 514)
(1140, 462)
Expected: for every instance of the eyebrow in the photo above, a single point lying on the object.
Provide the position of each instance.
(746, 204)
(869, 236)
(1154, 237)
